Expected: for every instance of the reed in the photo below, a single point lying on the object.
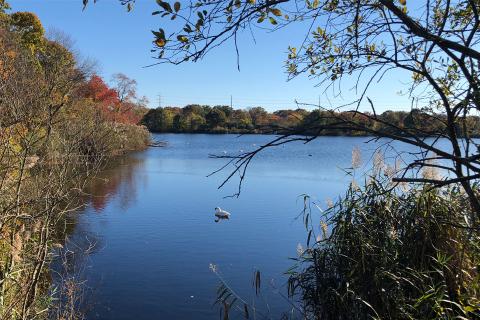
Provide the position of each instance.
(391, 254)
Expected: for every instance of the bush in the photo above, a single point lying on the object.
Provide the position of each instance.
(128, 137)
(388, 253)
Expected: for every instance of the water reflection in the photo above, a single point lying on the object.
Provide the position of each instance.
(151, 218)
(119, 180)
(218, 219)
(71, 262)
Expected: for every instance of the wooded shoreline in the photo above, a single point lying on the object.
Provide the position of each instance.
(225, 119)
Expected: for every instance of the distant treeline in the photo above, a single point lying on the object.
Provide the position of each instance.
(224, 119)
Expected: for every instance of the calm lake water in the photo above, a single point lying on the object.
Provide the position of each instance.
(151, 220)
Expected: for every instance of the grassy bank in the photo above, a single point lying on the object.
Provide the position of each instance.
(388, 253)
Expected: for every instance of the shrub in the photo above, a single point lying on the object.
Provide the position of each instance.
(388, 253)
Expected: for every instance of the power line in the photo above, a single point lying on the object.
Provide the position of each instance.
(159, 99)
(178, 101)
(219, 98)
(255, 101)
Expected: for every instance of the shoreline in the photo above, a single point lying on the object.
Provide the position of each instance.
(277, 134)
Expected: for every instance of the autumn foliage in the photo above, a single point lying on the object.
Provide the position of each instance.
(59, 125)
(107, 101)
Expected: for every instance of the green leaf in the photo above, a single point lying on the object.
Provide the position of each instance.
(272, 21)
(176, 6)
(154, 13)
(160, 34)
(165, 6)
(199, 24)
(260, 20)
(470, 309)
(188, 28)
(182, 38)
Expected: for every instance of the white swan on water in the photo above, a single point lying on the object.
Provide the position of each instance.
(219, 212)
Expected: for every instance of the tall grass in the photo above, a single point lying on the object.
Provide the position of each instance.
(391, 254)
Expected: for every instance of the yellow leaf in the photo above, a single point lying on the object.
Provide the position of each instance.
(160, 42)
(276, 12)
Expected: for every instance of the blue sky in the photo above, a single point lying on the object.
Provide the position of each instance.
(121, 42)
